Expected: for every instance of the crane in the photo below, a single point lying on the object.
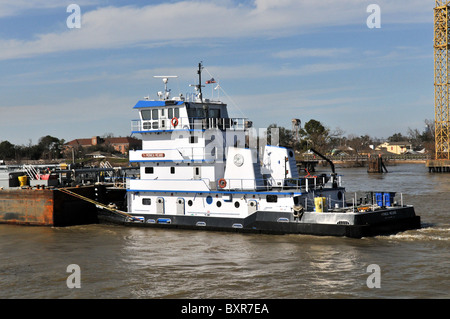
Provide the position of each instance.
(441, 163)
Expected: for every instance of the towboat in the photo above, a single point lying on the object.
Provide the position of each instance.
(201, 169)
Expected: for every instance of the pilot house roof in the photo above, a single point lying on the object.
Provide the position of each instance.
(148, 103)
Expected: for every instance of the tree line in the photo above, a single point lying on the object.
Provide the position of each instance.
(48, 148)
(316, 135)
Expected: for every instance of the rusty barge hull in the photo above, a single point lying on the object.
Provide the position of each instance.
(47, 207)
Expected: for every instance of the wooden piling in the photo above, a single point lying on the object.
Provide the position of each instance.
(376, 165)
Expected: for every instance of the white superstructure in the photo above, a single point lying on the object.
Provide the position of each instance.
(196, 161)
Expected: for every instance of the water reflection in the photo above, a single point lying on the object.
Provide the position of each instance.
(220, 265)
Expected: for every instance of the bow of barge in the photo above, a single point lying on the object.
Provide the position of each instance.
(46, 207)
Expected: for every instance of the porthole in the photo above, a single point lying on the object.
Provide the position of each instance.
(236, 204)
(190, 202)
(219, 203)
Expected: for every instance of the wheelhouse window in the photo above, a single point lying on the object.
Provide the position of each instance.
(146, 115)
(173, 112)
(154, 114)
(196, 113)
(214, 113)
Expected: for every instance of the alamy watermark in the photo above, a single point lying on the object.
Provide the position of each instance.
(218, 141)
(374, 19)
(74, 20)
(374, 279)
(74, 279)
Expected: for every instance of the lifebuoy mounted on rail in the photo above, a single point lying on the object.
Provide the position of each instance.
(175, 122)
(222, 183)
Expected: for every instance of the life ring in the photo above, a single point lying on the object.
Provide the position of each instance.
(174, 122)
(222, 183)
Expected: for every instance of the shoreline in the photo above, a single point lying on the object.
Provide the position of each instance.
(350, 164)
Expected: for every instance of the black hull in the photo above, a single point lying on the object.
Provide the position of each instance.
(382, 222)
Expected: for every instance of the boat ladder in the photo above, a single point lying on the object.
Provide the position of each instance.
(107, 164)
(31, 171)
(97, 204)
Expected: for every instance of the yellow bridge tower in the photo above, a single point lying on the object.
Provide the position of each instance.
(441, 163)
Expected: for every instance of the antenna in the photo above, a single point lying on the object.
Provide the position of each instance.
(165, 79)
(198, 87)
(199, 72)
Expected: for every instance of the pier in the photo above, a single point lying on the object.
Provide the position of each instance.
(364, 160)
(438, 166)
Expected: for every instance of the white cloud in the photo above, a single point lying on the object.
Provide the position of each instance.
(118, 27)
(16, 7)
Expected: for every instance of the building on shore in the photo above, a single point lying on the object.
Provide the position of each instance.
(118, 144)
(395, 147)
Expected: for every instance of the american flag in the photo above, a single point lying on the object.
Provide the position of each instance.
(211, 81)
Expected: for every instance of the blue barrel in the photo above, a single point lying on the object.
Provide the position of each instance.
(379, 199)
(384, 199)
(388, 199)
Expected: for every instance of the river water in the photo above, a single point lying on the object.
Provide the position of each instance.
(123, 262)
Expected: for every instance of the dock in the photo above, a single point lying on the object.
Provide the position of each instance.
(438, 166)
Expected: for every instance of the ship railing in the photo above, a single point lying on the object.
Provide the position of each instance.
(189, 123)
(303, 184)
(235, 184)
(331, 204)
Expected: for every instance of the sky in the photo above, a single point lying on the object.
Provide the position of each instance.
(275, 60)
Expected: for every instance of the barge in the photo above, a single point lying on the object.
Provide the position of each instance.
(55, 195)
(201, 169)
(47, 207)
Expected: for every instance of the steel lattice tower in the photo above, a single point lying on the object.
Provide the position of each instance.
(441, 84)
